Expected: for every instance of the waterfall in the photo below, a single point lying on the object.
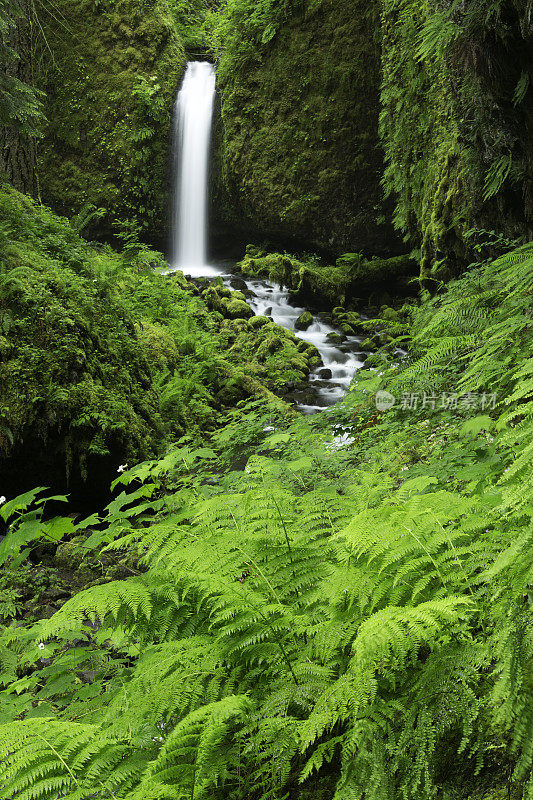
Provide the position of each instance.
(192, 134)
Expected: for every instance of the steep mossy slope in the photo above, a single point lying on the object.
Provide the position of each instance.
(75, 382)
(456, 124)
(104, 359)
(298, 156)
(110, 70)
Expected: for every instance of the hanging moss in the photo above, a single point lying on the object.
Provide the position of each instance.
(452, 126)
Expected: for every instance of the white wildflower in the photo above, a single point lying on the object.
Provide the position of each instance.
(41, 645)
(3, 500)
(122, 468)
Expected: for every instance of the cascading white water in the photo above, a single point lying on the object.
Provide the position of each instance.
(192, 133)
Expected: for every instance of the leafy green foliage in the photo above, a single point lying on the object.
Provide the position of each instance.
(356, 618)
(454, 108)
(20, 104)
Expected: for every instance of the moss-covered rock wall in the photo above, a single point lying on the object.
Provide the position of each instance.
(298, 157)
(110, 70)
(456, 125)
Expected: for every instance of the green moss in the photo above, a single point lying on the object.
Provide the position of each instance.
(75, 384)
(258, 322)
(448, 120)
(368, 275)
(298, 151)
(324, 285)
(304, 321)
(308, 281)
(110, 71)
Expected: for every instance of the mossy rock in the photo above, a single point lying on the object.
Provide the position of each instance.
(367, 345)
(238, 325)
(298, 154)
(334, 338)
(353, 318)
(237, 309)
(304, 321)
(258, 322)
(368, 275)
(70, 555)
(309, 282)
(390, 315)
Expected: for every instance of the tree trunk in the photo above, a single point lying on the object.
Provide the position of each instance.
(17, 149)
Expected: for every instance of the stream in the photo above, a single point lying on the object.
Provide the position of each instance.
(327, 383)
(193, 116)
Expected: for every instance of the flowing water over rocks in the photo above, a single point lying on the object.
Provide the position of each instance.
(341, 358)
(329, 383)
(192, 132)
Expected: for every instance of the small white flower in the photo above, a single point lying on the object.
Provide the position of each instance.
(122, 468)
(41, 645)
(2, 500)
(268, 429)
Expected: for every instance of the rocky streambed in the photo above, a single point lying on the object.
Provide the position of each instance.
(334, 344)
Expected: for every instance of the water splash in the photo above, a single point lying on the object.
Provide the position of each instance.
(192, 135)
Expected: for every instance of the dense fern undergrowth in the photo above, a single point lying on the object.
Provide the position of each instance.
(344, 612)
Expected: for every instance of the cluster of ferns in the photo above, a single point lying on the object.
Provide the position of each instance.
(352, 618)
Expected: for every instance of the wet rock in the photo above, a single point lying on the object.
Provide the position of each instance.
(268, 311)
(241, 285)
(238, 309)
(325, 374)
(304, 321)
(334, 338)
(258, 322)
(237, 296)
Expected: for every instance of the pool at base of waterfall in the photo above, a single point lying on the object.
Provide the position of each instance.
(327, 383)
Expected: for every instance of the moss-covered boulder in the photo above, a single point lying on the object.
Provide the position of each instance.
(258, 322)
(298, 154)
(368, 276)
(231, 305)
(304, 321)
(238, 309)
(110, 70)
(310, 281)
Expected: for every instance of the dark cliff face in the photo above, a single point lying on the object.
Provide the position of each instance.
(110, 71)
(297, 153)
